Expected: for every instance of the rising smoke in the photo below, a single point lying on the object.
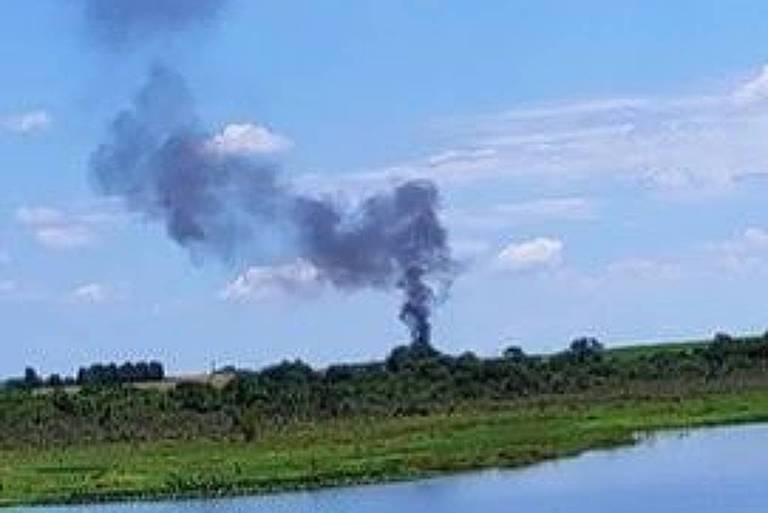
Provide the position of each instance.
(118, 22)
(162, 164)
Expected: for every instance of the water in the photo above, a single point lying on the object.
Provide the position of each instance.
(723, 470)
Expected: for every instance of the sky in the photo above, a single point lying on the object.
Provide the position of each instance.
(602, 169)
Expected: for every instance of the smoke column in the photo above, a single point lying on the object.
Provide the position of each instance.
(163, 165)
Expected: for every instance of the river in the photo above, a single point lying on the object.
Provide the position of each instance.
(719, 470)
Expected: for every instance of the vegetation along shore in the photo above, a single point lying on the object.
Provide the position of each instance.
(418, 413)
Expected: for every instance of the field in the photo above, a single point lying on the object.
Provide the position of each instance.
(360, 450)
(635, 351)
(216, 380)
(416, 414)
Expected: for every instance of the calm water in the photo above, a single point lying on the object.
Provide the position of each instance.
(707, 471)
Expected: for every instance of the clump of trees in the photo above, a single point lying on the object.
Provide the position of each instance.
(128, 372)
(95, 375)
(413, 380)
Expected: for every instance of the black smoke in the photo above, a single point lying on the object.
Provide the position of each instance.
(118, 22)
(158, 160)
(161, 163)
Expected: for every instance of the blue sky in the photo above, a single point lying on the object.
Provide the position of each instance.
(603, 168)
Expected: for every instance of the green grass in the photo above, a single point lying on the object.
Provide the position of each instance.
(357, 451)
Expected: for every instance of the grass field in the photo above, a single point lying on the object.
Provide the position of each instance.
(217, 380)
(357, 451)
(637, 351)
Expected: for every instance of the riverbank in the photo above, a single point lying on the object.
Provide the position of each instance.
(336, 453)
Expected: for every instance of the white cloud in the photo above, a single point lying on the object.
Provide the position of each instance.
(90, 293)
(538, 253)
(263, 282)
(27, 122)
(55, 229)
(247, 139)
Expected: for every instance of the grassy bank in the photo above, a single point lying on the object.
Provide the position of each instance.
(359, 450)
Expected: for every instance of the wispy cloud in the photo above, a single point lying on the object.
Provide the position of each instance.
(504, 215)
(90, 293)
(471, 250)
(55, 229)
(64, 236)
(688, 143)
(26, 123)
(746, 252)
(8, 287)
(754, 90)
(264, 282)
(22, 290)
(71, 229)
(638, 268)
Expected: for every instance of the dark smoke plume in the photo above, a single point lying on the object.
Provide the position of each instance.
(157, 159)
(161, 163)
(121, 21)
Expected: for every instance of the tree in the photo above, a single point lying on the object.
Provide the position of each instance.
(54, 381)
(403, 357)
(514, 353)
(126, 373)
(722, 338)
(586, 349)
(31, 378)
(156, 372)
(286, 373)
